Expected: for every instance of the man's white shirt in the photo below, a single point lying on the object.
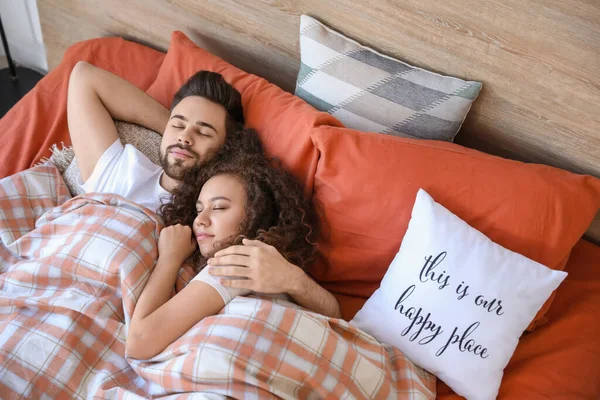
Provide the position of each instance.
(125, 171)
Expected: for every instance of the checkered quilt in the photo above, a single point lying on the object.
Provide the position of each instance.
(71, 271)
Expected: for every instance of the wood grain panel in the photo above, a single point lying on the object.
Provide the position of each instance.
(593, 233)
(539, 61)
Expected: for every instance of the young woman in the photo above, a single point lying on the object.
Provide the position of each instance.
(249, 229)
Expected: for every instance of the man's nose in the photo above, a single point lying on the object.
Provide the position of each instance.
(185, 137)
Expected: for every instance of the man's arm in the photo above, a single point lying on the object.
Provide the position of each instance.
(309, 294)
(97, 97)
(265, 270)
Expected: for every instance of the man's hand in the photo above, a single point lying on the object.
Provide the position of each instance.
(176, 243)
(255, 266)
(261, 268)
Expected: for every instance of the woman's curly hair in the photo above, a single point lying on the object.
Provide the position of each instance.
(276, 210)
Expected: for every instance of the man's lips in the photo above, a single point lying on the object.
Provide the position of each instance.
(202, 236)
(178, 153)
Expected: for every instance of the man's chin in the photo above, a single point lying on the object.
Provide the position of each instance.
(179, 171)
(176, 173)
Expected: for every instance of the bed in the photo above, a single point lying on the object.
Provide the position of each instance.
(539, 68)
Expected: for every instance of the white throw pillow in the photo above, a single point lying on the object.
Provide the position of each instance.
(455, 302)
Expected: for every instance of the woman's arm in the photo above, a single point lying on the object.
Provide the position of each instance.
(157, 320)
(267, 271)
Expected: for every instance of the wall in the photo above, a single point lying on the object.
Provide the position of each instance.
(22, 27)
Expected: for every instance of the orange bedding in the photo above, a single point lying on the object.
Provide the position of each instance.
(559, 360)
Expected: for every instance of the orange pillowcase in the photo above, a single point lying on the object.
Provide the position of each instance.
(366, 185)
(39, 119)
(282, 119)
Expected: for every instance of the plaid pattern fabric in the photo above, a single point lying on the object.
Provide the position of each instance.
(63, 270)
(259, 348)
(368, 91)
(70, 275)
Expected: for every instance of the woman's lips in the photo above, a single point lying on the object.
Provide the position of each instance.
(203, 236)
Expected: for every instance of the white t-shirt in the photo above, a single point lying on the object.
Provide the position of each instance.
(125, 171)
(227, 293)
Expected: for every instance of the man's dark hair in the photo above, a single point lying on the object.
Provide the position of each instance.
(212, 86)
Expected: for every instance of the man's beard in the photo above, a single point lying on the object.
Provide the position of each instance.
(177, 169)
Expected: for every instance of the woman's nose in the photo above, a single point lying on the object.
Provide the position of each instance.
(203, 218)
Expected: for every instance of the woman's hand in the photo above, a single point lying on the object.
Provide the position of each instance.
(176, 243)
(256, 266)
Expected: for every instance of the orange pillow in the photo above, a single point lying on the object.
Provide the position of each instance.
(366, 185)
(39, 119)
(282, 119)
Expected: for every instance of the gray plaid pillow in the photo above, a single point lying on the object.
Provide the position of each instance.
(145, 140)
(368, 91)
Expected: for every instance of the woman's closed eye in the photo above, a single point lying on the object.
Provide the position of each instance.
(215, 208)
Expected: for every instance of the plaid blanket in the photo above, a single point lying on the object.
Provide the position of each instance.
(71, 271)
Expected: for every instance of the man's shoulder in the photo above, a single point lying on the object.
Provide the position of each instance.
(137, 158)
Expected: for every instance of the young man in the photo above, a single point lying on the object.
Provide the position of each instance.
(205, 112)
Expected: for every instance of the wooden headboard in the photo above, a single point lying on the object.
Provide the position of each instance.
(539, 61)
